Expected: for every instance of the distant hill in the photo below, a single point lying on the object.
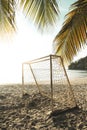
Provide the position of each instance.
(81, 64)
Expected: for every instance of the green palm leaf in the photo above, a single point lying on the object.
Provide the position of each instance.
(42, 12)
(7, 15)
(73, 35)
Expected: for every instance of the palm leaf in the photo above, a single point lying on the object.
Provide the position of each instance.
(42, 12)
(73, 35)
(7, 15)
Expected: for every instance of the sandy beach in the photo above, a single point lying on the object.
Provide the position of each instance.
(32, 111)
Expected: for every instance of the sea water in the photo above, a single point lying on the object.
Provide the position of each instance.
(17, 78)
(76, 73)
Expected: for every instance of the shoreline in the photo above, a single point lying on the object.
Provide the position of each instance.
(78, 81)
(73, 81)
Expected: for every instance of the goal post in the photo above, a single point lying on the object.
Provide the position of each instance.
(47, 75)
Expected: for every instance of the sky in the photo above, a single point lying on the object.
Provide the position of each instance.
(27, 44)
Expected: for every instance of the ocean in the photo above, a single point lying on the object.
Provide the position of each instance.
(77, 73)
(17, 78)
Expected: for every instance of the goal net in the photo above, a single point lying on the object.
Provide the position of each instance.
(47, 76)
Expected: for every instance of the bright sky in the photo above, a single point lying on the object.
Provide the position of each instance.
(27, 44)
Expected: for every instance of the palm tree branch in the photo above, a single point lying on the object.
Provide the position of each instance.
(42, 12)
(73, 35)
(7, 15)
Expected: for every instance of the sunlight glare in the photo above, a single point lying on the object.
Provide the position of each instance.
(26, 45)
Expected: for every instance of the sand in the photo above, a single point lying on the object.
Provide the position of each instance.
(32, 111)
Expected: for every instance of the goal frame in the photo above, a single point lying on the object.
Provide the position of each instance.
(51, 82)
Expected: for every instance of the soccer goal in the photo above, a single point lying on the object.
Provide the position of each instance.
(47, 76)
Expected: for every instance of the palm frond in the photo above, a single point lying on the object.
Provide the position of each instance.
(7, 15)
(73, 35)
(42, 12)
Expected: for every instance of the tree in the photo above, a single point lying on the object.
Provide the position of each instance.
(73, 34)
(42, 12)
(7, 15)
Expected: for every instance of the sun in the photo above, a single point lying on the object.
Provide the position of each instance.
(26, 45)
